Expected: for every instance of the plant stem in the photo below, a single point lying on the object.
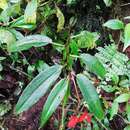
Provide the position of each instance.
(62, 118)
(76, 90)
(67, 50)
(74, 56)
(101, 124)
(126, 121)
(57, 44)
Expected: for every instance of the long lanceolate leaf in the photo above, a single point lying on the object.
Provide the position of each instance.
(90, 95)
(30, 41)
(53, 100)
(38, 87)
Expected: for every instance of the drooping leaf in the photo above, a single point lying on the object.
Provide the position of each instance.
(86, 39)
(30, 12)
(54, 99)
(108, 2)
(38, 87)
(7, 37)
(3, 4)
(114, 24)
(90, 95)
(20, 23)
(123, 98)
(114, 109)
(30, 41)
(93, 65)
(61, 19)
(127, 36)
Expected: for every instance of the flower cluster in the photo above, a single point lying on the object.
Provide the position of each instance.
(74, 119)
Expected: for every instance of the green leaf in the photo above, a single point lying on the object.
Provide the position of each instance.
(54, 99)
(95, 125)
(38, 87)
(124, 83)
(11, 11)
(123, 98)
(86, 39)
(3, 4)
(18, 35)
(71, 2)
(7, 37)
(61, 19)
(15, 1)
(73, 47)
(108, 2)
(114, 109)
(114, 24)
(127, 36)
(41, 65)
(108, 88)
(2, 58)
(128, 110)
(93, 65)
(114, 61)
(20, 23)
(30, 41)
(90, 95)
(127, 127)
(30, 12)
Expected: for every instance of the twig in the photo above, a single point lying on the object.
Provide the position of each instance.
(17, 70)
(101, 124)
(126, 121)
(62, 118)
(57, 44)
(76, 90)
(125, 4)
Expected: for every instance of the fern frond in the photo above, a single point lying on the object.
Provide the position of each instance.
(113, 60)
